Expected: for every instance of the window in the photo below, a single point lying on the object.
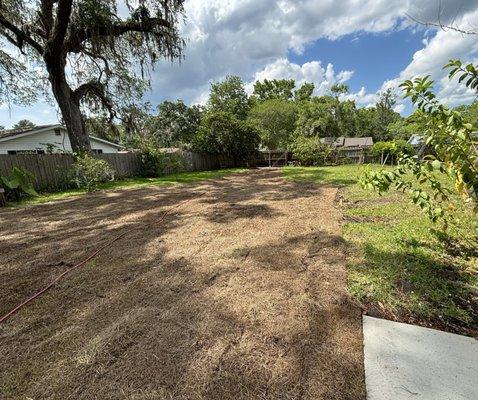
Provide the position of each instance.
(12, 152)
(97, 151)
(58, 132)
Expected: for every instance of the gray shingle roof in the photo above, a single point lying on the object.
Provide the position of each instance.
(358, 142)
(348, 142)
(14, 132)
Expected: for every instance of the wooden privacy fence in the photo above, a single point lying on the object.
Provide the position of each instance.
(51, 170)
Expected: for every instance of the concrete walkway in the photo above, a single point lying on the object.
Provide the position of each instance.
(410, 362)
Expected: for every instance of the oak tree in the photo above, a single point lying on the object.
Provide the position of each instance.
(91, 53)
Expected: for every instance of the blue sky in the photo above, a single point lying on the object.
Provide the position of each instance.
(370, 45)
(373, 57)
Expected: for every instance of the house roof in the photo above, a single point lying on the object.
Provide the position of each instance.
(14, 133)
(332, 141)
(348, 142)
(358, 142)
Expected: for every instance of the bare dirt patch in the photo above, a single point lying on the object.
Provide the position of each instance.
(240, 294)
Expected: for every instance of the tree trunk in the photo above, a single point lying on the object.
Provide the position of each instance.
(69, 105)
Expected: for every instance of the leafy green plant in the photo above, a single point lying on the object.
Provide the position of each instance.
(88, 172)
(18, 183)
(392, 149)
(311, 151)
(451, 138)
(154, 162)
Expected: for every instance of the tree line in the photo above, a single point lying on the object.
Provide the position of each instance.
(274, 116)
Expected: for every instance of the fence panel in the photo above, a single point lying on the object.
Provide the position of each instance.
(50, 170)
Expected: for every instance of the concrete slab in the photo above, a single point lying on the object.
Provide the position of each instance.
(405, 362)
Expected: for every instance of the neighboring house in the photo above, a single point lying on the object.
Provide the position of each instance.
(349, 143)
(333, 142)
(354, 148)
(47, 138)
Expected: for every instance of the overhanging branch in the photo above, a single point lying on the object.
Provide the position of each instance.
(21, 36)
(444, 26)
(78, 36)
(96, 89)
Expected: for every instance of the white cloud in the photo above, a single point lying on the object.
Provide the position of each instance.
(362, 98)
(399, 108)
(314, 72)
(253, 38)
(445, 45)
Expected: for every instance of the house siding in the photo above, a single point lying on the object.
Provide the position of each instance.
(39, 141)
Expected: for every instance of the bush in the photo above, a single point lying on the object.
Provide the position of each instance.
(17, 184)
(311, 151)
(88, 172)
(154, 162)
(221, 132)
(392, 149)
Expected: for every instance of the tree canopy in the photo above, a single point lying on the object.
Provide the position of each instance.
(91, 53)
(229, 96)
(274, 89)
(24, 124)
(304, 93)
(175, 123)
(276, 120)
(221, 132)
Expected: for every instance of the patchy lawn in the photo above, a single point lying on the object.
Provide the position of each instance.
(181, 177)
(400, 266)
(238, 294)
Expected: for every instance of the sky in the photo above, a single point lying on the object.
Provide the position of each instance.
(370, 45)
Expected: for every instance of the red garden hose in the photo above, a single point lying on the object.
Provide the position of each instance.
(91, 256)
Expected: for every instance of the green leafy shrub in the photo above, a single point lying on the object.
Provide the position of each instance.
(154, 162)
(221, 132)
(311, 151)
(88, 172)
(392, 149)
(452, 140)
(18, 183)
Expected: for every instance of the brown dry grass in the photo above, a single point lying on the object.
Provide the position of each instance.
(240, 294)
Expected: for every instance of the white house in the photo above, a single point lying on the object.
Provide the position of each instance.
(47, 138)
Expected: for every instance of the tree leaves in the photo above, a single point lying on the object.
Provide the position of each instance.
(451, 138)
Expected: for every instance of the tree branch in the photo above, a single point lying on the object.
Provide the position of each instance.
(78, 36)
(97, 89)
(61, 23)
(444, 27)
(46, 15)
(21, 36)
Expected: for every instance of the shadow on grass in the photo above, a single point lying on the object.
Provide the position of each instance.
(147, 319)
(411, 286)
(137, 182)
